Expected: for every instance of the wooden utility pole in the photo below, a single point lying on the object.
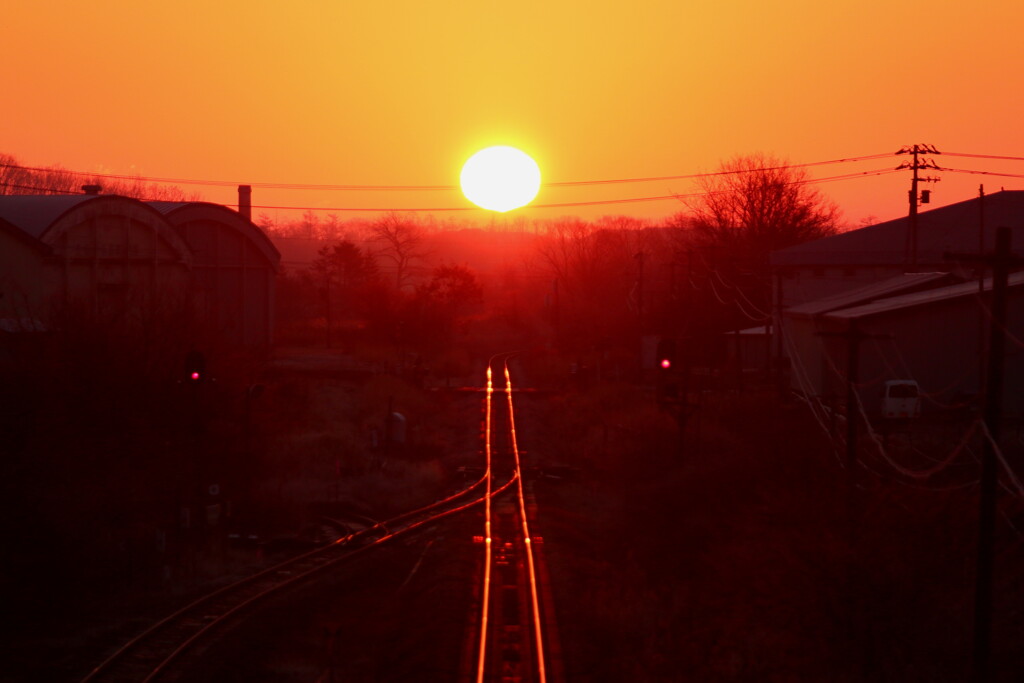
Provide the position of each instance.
(1001, 261)
(639, 256)
(853, 337)
(915, 199)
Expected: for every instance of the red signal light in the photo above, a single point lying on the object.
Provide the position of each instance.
(195, 366)
(666, 363)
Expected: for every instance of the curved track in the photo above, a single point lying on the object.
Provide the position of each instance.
(509, 642)
(152, 654)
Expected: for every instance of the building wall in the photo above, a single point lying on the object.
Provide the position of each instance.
(199, 271)
(114, 257)
(942, 347)
(804, 348)
(233, 276)
(22, 294)
(938, 345)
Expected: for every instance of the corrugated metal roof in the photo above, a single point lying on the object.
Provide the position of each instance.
(928, 296)
(167, 207)
(225, 215)
(877, 290)
(948, 228)
(34, 214)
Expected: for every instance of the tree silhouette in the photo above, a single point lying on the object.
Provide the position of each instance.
(402, 240)
(455, 287)
(756, 204)
(753, 205)
(342, 270)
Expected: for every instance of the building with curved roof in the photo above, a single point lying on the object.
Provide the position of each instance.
(233, 269)
(206, 270)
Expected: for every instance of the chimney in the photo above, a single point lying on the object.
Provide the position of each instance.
(92, 189)
(245, 201)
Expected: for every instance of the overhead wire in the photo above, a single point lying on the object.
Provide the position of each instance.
(982, 156)
(441, 209)
(883, 452)
(907, 373)
(404, 188)
(761, 314)
(980, 300)
(747, 314)
(973, 172)
(1002, 459)
(554, 205)
(36, 188)
(818, 411)
(906, 471)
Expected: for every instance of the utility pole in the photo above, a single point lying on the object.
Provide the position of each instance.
(1001, 260)
(777, 332)
(916, 199)
(981, 289)
(639, 256)
(853, 337)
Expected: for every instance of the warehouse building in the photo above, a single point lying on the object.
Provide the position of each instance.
(921, 316)
(202, 271)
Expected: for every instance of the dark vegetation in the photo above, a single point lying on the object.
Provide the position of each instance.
(743, 554)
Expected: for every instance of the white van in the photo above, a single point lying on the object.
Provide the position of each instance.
(901, 398)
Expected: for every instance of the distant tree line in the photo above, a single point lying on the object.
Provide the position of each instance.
(594, 287)
(591, 286)
(17, 179)
(344, 298)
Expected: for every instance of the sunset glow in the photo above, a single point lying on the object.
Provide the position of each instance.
(397, 95)
(755, 269)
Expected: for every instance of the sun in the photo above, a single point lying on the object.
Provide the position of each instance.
(500, 178)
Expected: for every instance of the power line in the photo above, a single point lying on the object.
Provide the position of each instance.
(964, 170)
(983, 156)
(54, 190)
(717, 173)
(597, 202)
(576, 183)
(562, 205)
(411, 188)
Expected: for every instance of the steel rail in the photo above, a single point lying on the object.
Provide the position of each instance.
(278, 579)
(527, 540)
(485, 593)
(531, 573)
(199, 635)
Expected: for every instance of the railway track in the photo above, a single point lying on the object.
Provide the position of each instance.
(512, 628)
(513, 622)
(154, 654)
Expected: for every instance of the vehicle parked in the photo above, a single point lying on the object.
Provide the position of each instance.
(901, 398)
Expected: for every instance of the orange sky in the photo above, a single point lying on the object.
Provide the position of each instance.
(402, 92)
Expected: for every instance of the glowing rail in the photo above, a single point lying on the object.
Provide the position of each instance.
(527, 540)
(529, 573)
(486, 590)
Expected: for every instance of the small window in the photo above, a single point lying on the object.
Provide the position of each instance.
(903, 391)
